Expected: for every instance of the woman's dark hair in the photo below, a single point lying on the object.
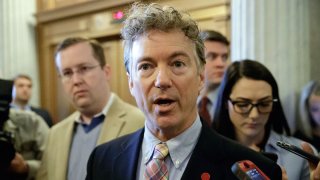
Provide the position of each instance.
(252, 70)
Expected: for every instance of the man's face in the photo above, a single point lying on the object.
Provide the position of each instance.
(83, 79)
(22, 90)
(164, 80)
(216, 54)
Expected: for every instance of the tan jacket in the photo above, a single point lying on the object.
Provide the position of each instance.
(122, 118)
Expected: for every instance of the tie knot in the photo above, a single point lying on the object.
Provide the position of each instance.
(205, 100)
(160, 151)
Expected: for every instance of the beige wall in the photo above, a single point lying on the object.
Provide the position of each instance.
(314, 14)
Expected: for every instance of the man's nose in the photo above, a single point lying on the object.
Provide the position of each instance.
(163, 78)
(220, 61)
(76, 77)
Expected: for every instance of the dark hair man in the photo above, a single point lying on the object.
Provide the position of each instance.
(216, 55)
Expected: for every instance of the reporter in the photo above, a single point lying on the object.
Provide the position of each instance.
(248, 110)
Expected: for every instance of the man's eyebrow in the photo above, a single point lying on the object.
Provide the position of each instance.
(179, 53)
(77, 66)
(145, 58)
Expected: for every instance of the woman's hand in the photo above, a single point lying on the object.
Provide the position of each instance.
(314, 169)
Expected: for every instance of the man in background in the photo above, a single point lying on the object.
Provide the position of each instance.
(216, 55)
(22, 91)
(100, 117)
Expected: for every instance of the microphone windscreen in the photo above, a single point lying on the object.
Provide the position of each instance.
(247, 170)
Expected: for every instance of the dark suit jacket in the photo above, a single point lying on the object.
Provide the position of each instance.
(213, 154)
(44, 114)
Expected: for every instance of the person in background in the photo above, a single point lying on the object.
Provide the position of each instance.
(22, 91)
(249, 111)
(22, 139)
(216, 54)
(100, 114)
(164, 59)
(308, 125)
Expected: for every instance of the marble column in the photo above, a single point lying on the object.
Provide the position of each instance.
(18, 41)
(277, 34)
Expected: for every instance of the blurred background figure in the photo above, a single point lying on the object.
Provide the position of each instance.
(22, 92)
(22, 138)
(216, 55)
(308, 125)
(249, 111)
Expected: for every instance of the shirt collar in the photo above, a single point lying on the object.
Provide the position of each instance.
(178, 155)
(15, 106)
(212, 95)
(104, 110)
(272, 141)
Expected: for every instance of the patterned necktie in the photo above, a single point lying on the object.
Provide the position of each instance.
(203, 110)
(156, 168)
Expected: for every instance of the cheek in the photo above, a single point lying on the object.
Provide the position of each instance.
(138, 91)
(67, 88)
(316, 116)
(208, 67)
(235, 118)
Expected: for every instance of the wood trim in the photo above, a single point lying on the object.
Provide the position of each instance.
(78, 9)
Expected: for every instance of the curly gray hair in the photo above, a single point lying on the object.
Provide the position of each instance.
(145, 17)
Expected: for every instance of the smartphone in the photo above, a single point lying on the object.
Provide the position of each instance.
(247, 170)
(296, 150)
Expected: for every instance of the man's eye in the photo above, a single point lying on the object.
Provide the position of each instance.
(144, 67)
(178, 64)
(67, 73)
(211, 56)
(83, 69)
(225, 57)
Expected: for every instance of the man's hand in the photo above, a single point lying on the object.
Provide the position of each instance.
(314, 170)
(18, 165)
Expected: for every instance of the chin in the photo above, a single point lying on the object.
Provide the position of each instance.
(82, 104)
(165, 122)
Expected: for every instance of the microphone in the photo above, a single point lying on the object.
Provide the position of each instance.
(247, 170)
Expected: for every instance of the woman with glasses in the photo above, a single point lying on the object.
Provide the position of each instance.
(248, 110)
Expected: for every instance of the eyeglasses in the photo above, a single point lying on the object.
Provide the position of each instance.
(245, 107)
(67, 74)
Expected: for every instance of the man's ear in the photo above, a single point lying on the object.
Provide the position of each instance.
(107, 71)
(201, 85)
(130, 83)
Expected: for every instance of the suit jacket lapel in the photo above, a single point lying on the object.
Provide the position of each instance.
(126, 163)
(63, 150)
(113, 123)
(205, 159)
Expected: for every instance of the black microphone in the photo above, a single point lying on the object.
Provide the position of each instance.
(247, 170)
